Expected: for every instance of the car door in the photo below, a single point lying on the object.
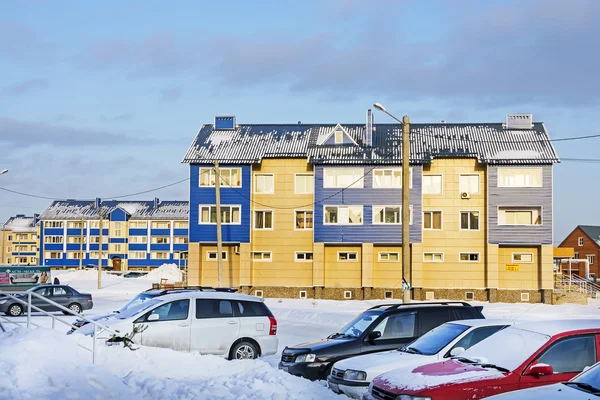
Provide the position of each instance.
(214, 327)
(62, 296)
(45, 291)
(167, 326)
(253, 317)
(567, 357)
(396, 330)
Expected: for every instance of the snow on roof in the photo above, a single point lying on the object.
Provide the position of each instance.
(483, 322)
(138, 210)
(555, 327)
(20, 224)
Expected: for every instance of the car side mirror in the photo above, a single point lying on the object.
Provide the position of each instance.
(374, 336)
(456, 351)
(540, 370)
(153, 317)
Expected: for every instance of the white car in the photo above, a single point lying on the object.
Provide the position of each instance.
(233, 326)
(352, 376)
(584, 386)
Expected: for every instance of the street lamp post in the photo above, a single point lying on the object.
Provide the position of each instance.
(406, 265)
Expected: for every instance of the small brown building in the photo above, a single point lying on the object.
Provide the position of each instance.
(585, 239)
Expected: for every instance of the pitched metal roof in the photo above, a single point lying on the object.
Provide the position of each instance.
(592, 231)
(20, 224)
(138, 210)
(490, 143)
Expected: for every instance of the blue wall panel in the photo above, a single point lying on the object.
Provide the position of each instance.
(138, 232)
(160, 247)
(138, 247)
(118, 215)
(180, 232)
(229, 196)
(367, 197)
(117, 240)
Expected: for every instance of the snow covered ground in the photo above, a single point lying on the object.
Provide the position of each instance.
(46, 364)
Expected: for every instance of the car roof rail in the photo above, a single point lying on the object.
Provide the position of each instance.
(193, 288)
(395, 306)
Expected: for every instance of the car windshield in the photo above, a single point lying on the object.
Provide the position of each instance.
(138, 309)
(589, 378)
(508, 348)
(139, 299)
(436, 339)
(358, 325)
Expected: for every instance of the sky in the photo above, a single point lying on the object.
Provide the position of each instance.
(102, 99)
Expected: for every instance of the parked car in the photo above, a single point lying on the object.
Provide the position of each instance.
(380, 328)
(234, 326)
(521, 356)
(64, 295)
(579, 388)
(137, 300)
(352, 376)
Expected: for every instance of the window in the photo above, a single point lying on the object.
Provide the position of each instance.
(468, 257)
(231, 177)
(397, 327)
(180, 225)
(469, 220)
(346, 215)
(339, 136)
(22, 260)
(252, 309)
(264, 183)
(53, 239)
(10, 237)
(159, 255)
(96, 239)
(75, 224)
(173, 311)
(429, 319)
(137, 255)
(33, 237)
(261, 256)
(519, 177)
(522, 257)
(580, 241)
(180, 240)
(433, 257)
(9, 249)
(304, 220)
(519, 216)
(389, 215)
(74, 255)
(591, 258)
(138, 225)
(304, 256)
(160, 240)
(138, 239)
(53, 254)
(468, 183)
(576, 255)
(212, 255)
(75, 239)
(96, 224)
(343, 177)
(229, 215)
(432, 220)
(116, 248)
(388, 178)
(476, 336)
(432, 184)
(118, 229)
(394, 257)
(59, 291)
(161, 225)
(94, 255)
(347, 256)
(304, 183)
(213, 308)
(53, 224)
(34, 260)
(8, 260)
(570, 355)
(263, 220)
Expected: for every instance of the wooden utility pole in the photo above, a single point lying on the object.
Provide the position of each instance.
(81, 245)
(100, 249)
(406, 272)
(219, 236)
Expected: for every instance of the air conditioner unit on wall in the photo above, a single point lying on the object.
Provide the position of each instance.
(465, 195)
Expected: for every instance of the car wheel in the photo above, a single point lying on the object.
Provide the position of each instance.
(244, 351)
(15, 310)
(76, 308)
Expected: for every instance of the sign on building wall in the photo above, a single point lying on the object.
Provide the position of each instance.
(513, 267)
(24, 276)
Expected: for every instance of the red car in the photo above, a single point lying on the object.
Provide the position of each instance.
(522, 356)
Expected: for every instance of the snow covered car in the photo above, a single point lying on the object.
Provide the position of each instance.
(353, 375)
(521, 356)
(233, 326)
(579, 388)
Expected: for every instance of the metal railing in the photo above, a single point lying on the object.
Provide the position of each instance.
(98, 328)
(575, 283)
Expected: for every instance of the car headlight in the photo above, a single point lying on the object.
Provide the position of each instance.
(306, 358)
(409, 397)
(352, 375)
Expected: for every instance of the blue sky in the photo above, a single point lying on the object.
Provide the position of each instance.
(103, 98)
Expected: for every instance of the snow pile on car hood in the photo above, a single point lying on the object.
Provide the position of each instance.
(45, 364)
